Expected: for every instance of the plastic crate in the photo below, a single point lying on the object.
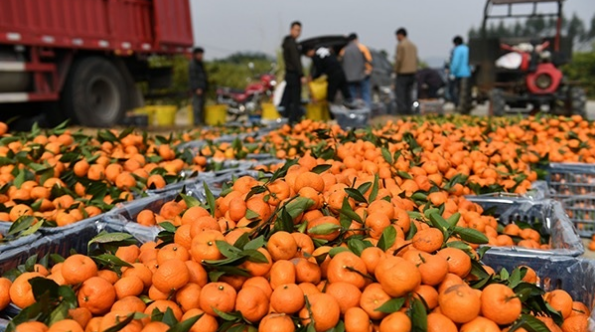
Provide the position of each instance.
(351, 118)
(188, 186)
(123, 217)
(3, 324)
(74, 239)
(570, 179)
(539, 190)
(564, 238)
(581, 210)
(60, 229)
(216, 183)
(431, 106)
(226, 166)
(195, 146)
(574, 275)
(273, 123)
(71, 238)
(12, 249)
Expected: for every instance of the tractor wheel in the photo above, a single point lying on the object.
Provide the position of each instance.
(577, 102)
(465, 98)
(497, 103)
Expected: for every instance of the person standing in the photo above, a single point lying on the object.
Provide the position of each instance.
(357, 65)
(198, 85)
(324, 62)
(459, 68)
(448, 92)
(294, 74)
(405, 68)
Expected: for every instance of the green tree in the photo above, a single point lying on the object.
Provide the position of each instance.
(576, 30)
(591, 34)
(472, 33)
(517, 30)
(582, 70)
(235, 72)
(535, 26)
(502, 30)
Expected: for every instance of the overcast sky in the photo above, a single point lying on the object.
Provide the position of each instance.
(226, 26)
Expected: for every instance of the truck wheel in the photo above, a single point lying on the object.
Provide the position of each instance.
(465, 98)
(95, 93)
(577, 102)
(497, 103)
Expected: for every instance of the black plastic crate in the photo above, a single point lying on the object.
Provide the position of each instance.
(574, 275)
(60, 229)
(62, 243)
(74, 239)
(123, 217)
(15, 248)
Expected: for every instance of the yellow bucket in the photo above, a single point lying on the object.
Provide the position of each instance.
(318, 112)
(215, 115)
(190, 111)
(165, 115)
(269, 112)
(318, 88)
(148, 111)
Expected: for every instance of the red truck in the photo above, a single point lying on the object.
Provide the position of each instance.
(87, 55)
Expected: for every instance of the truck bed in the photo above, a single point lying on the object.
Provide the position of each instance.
(126, 26)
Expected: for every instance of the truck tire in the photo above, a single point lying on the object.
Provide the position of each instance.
(497, 103)
(577, 101)
(95, 93)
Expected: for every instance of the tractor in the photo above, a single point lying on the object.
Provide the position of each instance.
(521, 75)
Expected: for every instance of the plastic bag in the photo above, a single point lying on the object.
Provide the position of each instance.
(278, 93)
(318, 88)
(510, 60)
(564, 238)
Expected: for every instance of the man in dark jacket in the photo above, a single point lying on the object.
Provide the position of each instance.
(324, 62)
(294, 74)
(429, 82)
(198, 85)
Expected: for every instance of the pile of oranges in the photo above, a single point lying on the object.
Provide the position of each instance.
(231, 208)
(61, 177)
(315, 247)
(362, 230)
